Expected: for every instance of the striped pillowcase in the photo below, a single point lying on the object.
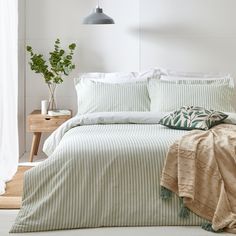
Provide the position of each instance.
(95, 96)
(168, 95)
(227, 80)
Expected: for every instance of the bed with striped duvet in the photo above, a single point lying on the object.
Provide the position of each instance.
(103, 170)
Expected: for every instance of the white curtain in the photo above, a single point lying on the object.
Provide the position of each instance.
(9, 153)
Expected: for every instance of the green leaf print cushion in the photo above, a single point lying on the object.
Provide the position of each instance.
(191, 117)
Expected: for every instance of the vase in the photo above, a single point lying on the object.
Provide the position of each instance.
(52, 100)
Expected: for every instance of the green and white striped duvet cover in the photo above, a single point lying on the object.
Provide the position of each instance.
(101, 175)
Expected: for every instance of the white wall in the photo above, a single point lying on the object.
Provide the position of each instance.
(193, 35)
(188, 35)
(100, 48)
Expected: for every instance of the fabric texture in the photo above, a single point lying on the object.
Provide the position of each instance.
(200, 168)
(100, 176)
(100, 118)
(190, 117)
(9, 153)
(104, 97)
(231, 119)
(191, 75)
(107, 77)
(118, 77)
(182, 79)
(168, 96)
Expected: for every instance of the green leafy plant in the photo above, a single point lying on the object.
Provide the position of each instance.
(58, 66)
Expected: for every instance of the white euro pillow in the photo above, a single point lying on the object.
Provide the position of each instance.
(190, 75)
(118, 77)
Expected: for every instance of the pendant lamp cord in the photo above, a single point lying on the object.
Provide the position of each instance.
(99, 3)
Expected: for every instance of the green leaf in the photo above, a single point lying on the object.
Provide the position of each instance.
(185, 123)
(61, 52)
(29, 48)
(72, 46)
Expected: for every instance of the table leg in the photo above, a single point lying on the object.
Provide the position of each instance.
(37, 141)
(35, 145)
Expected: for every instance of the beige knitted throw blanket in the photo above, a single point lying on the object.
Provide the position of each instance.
(201, 168)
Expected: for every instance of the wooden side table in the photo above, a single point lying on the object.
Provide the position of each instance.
(38, 124)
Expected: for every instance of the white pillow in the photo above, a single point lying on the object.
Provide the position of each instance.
(190, 75)
(94, 96)
(168, 96)
(118, 77)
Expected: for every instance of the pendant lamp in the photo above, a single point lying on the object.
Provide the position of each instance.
(97, 17)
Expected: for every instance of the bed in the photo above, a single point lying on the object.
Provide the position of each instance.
(104, 165)
(100, 175)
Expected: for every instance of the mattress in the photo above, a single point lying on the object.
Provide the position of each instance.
(101, 172)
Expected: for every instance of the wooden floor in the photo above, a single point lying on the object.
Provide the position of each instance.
(12, 198)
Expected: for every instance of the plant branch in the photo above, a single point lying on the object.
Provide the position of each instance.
(60, 63)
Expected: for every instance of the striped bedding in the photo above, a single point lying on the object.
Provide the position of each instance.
(94, 96)
(103, 170)
(171, 95)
